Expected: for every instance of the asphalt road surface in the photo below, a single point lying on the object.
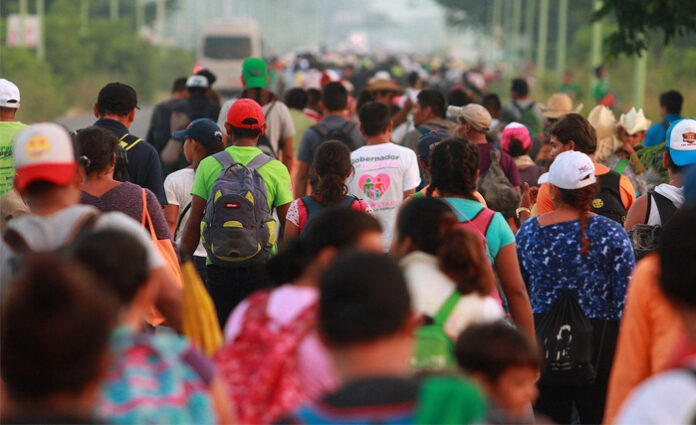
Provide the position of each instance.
(139, 127)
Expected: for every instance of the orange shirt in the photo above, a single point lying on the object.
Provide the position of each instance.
(628, 193)
(650, 331)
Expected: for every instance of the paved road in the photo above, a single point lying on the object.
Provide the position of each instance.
(139, 126)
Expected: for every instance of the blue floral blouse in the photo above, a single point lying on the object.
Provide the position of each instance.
(550, 261)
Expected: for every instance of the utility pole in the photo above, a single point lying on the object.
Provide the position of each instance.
(22, 21)
(562, 40)
(139, 14)
(516, 25)
(159, 19)
(641, 67)
(113, 9)
(541, 42)
(596, 58)
(530, 8)
(84, 11)
(40, 42)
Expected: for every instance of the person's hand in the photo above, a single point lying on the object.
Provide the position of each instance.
(529, 197)
(408, 104)
(628, 148)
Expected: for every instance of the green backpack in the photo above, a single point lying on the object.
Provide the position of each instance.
(529, 118)
(434, 350)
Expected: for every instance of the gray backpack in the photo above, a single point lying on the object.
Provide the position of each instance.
(237, 228)
(497, 190)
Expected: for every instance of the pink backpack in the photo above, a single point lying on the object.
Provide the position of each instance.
(260, 365)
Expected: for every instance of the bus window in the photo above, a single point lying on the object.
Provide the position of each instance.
(223, 47)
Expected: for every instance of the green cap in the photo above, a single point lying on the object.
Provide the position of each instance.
(254, 73)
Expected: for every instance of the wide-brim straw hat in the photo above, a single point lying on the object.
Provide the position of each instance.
(633, 121)
(380, 84)
(604, 123)
(558, 105)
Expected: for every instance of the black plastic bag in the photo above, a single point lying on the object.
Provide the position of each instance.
(565, 336)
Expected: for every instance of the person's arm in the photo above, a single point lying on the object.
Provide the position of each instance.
(408, 193)
(636, 215)
(508, 270)
(401, 116)
(288, 156)
(544, 203)
(155, 177)
(192, 231)
(301, 178)
(282, 211)
(221, 401)
(171, 214)
(169, 298)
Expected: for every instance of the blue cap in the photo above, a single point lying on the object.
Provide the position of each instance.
(203, 130)
(428, 140)
(681, 141)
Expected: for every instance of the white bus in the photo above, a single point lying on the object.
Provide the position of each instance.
(222, 48)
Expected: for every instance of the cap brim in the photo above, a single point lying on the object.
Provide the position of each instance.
(58, 173)
(544, 178)
(256, 82)
(180, 134)
(682, 158)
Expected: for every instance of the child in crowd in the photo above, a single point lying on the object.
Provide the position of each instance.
(332, 167)
(202, 138)
(506, 363)
(365, 318)
(516, 141)
(151, 378)
(440, 261)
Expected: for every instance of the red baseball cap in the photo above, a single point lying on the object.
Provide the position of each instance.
(244, 109)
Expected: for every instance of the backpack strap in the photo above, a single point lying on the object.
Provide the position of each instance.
(225, 159)
(665, 207)
(16, 241)
(128, 141)
(181, 218)
(311, 204)
(321, 129)
(259, 161)
(482, 220)
(446, 309)
(621, 166)
(267, 113)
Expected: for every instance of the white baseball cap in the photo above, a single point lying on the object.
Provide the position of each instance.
(197, 81)
(9, 94)
(43, 152)
(681, 141)
(570, 170)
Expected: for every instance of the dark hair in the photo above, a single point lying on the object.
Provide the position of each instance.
(99, 146)
(358, 305)
(197, 90)
(332, 166)
(208, 74)
(296, 98)
(313, 97)
(374, 118)
(40, 187)
(364, 97)
(674, 168)
(677, 249)
(433, 99)
(492, 348)
(598, 70)
(581, 200)
(334, 96)
(431, 226)
(211, 148)
(515, 148)
(56, 322)
(453, 165)
(458, 97)
(413, 78)
(672, 101)
(321, 232)
(491, 101)
(179, 85)
(520, 86)
(246, 133)
(576, 128)
(118, 257)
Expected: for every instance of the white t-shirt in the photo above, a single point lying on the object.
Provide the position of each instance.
(177, 188)
(667, 398)
(382, 173)
(429, 288)
(50, 232)
(279, 121)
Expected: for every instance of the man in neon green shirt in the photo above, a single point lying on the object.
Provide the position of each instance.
(244, 125)
(9, 105)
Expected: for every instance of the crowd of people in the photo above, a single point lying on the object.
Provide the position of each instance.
(388, 243)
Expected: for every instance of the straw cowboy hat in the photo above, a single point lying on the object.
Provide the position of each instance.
(559, 104)
(604, 123)
(633, 121)
(378, 84)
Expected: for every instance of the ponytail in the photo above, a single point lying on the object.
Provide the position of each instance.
(580, 200)
(462, 258)
(332, 166)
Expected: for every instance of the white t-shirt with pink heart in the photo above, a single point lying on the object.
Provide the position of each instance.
(381, 175)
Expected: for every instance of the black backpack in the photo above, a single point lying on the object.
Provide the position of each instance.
(608, 203)
(315, 208)
(125, 143)
(341, 133)
(645, 237)
(566, 338)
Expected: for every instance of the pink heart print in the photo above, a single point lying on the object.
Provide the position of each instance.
(374, 187)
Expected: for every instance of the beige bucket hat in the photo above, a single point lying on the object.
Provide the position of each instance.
(559, 104)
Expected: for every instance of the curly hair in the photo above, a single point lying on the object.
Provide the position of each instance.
(581, 199)
(332, 166)
(574, 127)
(453, 165)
